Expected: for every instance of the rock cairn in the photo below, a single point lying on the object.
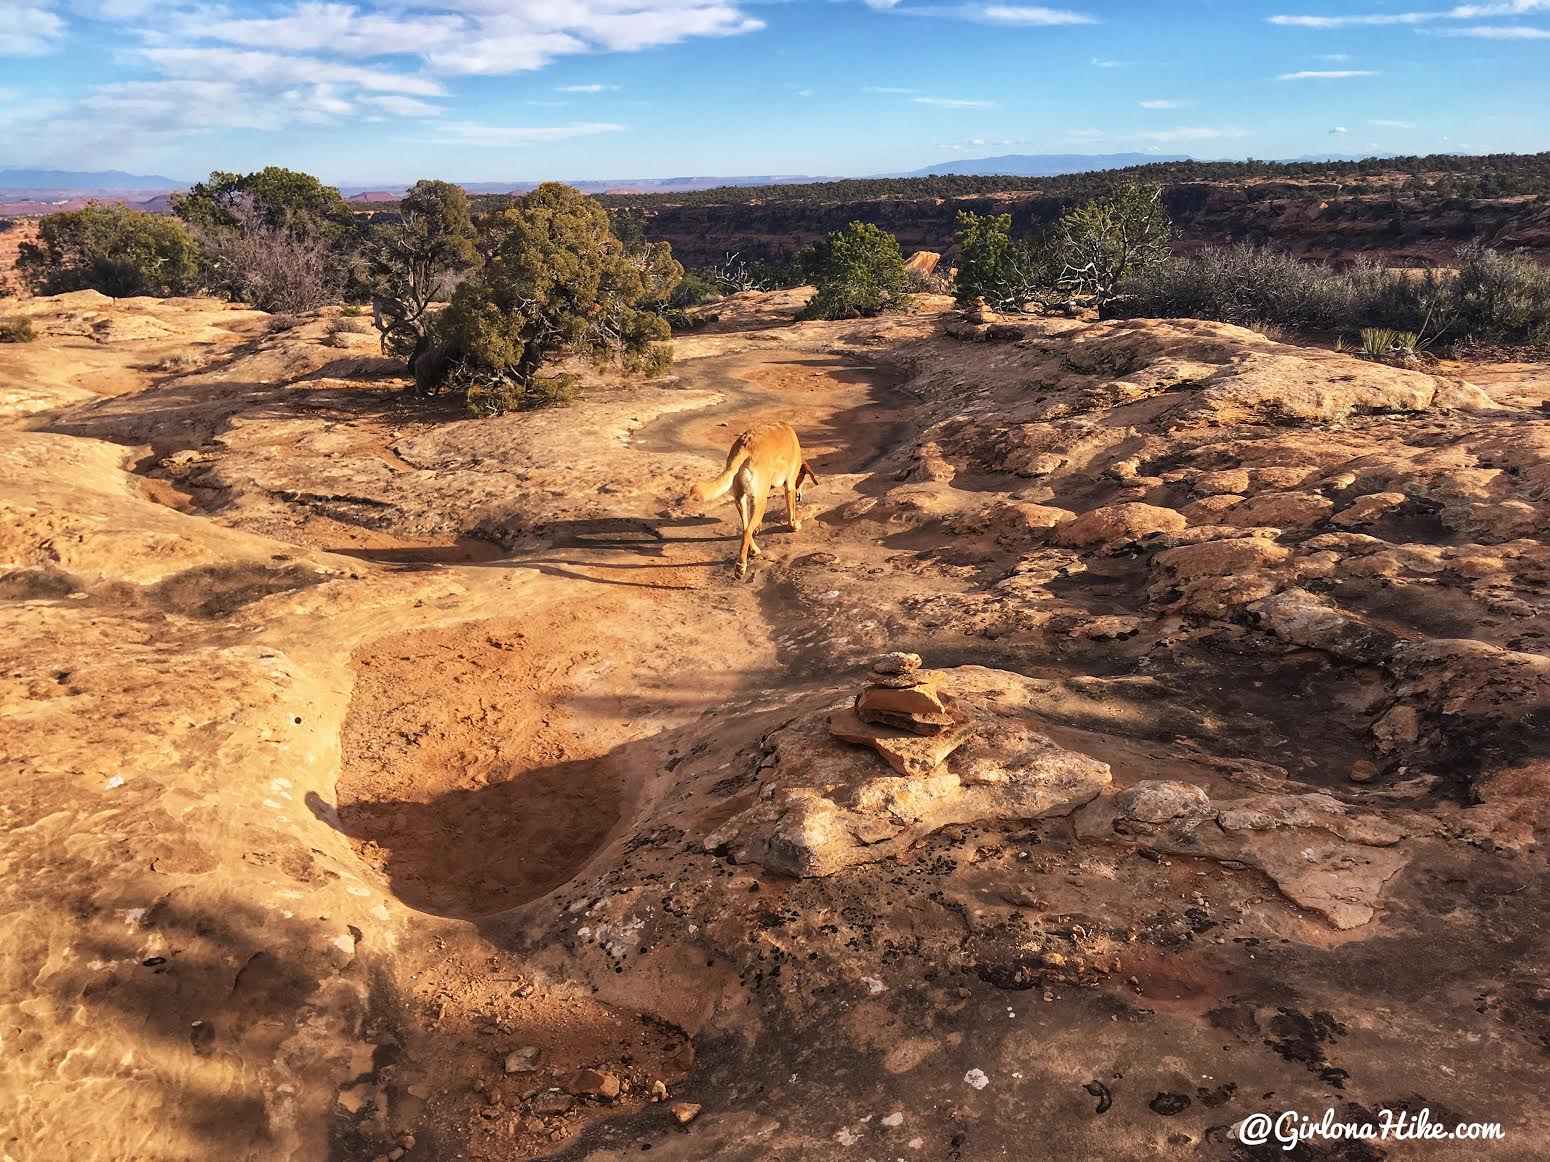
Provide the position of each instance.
(903, 714)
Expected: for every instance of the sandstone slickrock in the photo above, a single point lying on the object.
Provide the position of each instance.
(1117, 525)
(1322, 855)
(338, 790)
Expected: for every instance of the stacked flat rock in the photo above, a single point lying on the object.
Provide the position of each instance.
(901, 696)
(904, 716)
(979, 313)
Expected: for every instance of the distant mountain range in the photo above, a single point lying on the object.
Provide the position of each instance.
(66, 181)
(1037, 165)
(48, 184)
(42, 191)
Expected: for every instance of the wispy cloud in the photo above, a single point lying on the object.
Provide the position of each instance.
(1325, 74)
(29, 30)
(1340, 129)
(586, 88)
(1102, 63)
(1159, 104)
(1498, 32)
(299, 62)
(1369, 19)
(1033, 15)
(954, 103)
(1383, 123)
(1498, 8)
(1016, 15)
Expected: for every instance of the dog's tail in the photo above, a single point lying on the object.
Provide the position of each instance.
(806, 471)
(711, 489)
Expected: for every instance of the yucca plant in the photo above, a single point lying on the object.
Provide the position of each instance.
(1377, 342)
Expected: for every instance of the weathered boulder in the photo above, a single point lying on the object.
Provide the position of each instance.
(1323, 856)
(1272, 387)
(1366, 509)
(1116, 525)
(1299, 617)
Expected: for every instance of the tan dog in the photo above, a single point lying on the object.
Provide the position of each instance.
(761, 458)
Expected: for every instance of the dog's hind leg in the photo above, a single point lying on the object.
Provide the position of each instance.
(755, 519)
(791, 506)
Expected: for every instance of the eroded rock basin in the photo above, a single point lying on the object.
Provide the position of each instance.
(362, 751)
(462, 781)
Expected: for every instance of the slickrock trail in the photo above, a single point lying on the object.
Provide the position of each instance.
(381, 783)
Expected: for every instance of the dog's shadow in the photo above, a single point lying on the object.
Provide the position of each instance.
(641, 536)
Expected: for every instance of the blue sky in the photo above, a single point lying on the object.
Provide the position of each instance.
(491, 90)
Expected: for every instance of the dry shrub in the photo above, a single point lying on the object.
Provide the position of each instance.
(17, 330)
(281, 268)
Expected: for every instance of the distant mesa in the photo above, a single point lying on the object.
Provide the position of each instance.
(70, 181)
(1039, 165)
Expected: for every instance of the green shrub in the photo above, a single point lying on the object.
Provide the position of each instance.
(1103, 245)
(694, 288)
(111, 249)
(1006, 273)
(1491, 297)
(1502, 298)
(488, 394)
(652, 360)
(858, 272)
(415, 260)
(17, 330)
(280, 198)
(558, 281)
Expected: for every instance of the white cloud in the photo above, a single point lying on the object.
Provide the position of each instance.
(512, 137)
(1459, 12)
(954, 103)
(316, 61)
(1499, 32)
(1159, 104)
(1033, 16)
(1505, 8)
(29, 29)
(1387, 124)
(1101, 63)
(1371, 19)
(587, 89)
(338, 29)
(1340, 129)
(274, 69)
(397, 106)
(1325, 74)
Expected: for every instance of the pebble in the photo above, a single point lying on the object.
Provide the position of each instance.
(523, 1059)
(685, 1112)
(593, 1083)
(553, 1102)
(1363, 772)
